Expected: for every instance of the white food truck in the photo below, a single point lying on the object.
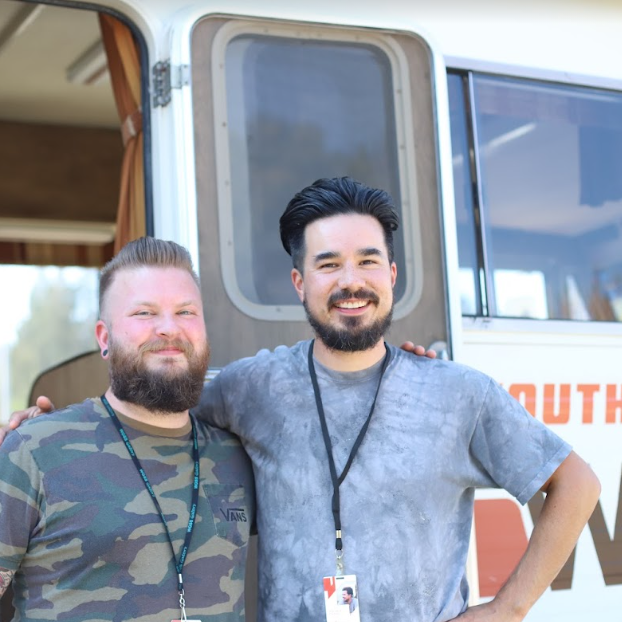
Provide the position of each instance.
(496, 127)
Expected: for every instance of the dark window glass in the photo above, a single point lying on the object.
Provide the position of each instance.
(299, 110)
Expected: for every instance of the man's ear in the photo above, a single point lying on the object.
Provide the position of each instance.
(102, 334)
(393, 274)
(299, 285)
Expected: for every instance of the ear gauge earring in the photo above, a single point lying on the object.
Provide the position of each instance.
(105, 353)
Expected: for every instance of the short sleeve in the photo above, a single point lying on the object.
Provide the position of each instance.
(211, 407)
(19, 499)
(517, 451)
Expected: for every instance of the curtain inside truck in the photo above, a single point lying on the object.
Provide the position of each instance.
(124, 66)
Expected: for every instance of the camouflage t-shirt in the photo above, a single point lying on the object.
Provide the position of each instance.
(82, 533)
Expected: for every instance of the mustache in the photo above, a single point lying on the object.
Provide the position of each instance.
(344, 294)
(164, 344)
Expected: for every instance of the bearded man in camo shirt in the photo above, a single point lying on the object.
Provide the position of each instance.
(124, 507)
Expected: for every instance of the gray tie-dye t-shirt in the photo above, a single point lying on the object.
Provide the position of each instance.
(82, 533)
(439, 430)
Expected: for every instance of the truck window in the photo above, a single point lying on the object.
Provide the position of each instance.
(540, 237)
(298, 109)
(276, 106)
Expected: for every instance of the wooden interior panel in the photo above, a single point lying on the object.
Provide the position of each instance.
(59, 172)
(39, 254)
(234, 334)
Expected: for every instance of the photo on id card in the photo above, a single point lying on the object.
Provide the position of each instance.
(341, 599)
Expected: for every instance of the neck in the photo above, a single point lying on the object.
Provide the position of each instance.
(138, 413)
(348, 361)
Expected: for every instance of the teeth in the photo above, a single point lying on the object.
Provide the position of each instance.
(351, 305)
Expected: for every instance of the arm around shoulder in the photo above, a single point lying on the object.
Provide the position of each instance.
(42, 406)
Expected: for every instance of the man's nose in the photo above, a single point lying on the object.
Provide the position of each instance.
(351, 278)
(168, 325)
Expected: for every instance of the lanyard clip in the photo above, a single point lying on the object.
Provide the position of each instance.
(182, 605)
(340, 564)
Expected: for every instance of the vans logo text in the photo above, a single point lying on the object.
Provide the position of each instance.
(234, 514)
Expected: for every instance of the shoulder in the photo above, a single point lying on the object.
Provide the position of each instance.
(266, 361)
(38, 443)
(72, 417)
(443, 386)
(437, 371)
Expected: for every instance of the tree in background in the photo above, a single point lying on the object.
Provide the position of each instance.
(58, 328)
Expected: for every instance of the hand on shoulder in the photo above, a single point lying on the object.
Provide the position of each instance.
(42, 406)
(409, 346)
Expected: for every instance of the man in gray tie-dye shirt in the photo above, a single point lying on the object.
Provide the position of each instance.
(438, 431)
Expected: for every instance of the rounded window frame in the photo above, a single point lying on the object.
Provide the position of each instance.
(410, 225)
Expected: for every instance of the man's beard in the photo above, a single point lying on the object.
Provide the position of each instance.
(353, 337)
(165, 390)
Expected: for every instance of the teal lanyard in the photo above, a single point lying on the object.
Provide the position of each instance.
(179, 565)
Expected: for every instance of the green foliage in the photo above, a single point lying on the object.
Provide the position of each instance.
(51, 334)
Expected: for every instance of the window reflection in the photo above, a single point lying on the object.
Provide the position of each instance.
(521, 294)
(550, 164)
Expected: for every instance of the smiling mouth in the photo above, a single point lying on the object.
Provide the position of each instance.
(352, 301)
(355, 304)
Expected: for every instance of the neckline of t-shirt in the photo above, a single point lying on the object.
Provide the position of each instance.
(153, 430)
(360, 376)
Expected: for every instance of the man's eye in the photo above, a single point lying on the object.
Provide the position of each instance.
(143, 313)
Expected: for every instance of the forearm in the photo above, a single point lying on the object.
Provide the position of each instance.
(571, 497)
(6, 576)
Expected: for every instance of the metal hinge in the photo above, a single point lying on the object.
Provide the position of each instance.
(166, 78)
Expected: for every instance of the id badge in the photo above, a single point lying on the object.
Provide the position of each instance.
(341, 599)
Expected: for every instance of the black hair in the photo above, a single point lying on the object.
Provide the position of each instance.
(330, 197)
(349, 590)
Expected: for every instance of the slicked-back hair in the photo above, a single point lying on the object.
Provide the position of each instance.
(332, 197)
(145, 252)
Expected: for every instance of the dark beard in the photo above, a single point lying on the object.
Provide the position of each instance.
(350, 338)
(159, 391)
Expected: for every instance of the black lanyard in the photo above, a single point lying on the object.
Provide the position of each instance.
(179, 566)
(329, 447)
